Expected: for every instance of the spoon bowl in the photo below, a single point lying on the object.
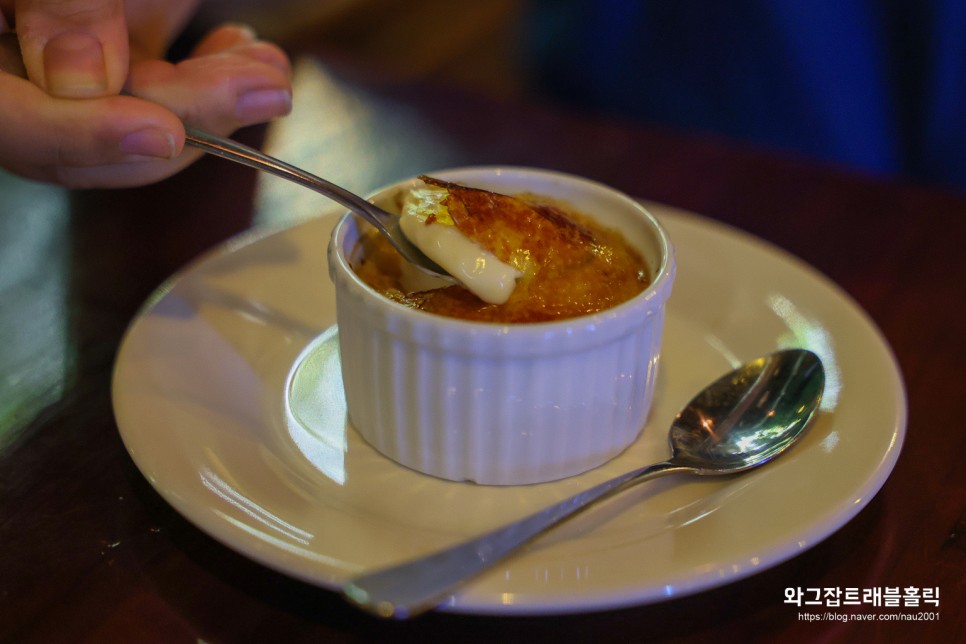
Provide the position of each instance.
(742, 420)
(748, 416)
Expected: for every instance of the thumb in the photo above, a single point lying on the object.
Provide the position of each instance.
(74, 48)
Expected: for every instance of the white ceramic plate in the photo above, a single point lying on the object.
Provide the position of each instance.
(228, 397)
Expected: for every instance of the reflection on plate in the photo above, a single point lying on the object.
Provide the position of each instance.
(228, 396)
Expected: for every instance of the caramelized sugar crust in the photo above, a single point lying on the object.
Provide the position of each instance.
(519, 230)
(571, 265)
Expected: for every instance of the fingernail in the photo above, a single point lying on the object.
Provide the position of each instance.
(261, 105)
(149, 142)
(246, 30)
(74, 66)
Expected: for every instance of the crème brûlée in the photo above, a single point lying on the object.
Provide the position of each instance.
(520, 258)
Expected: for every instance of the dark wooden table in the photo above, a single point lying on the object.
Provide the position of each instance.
(90, 552)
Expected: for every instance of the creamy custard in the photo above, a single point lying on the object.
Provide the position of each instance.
(427, 224)
(535, 258)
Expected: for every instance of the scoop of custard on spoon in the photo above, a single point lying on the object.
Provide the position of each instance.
(491, 241)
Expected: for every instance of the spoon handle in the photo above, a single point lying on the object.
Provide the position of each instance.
(416, 586)
(386, 223)
(234, 151)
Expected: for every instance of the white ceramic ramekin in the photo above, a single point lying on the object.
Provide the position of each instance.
(503, 404)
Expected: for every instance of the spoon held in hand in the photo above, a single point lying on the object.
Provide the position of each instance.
(385, 222)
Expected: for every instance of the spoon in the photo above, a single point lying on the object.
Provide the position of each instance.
(740, 421)
(385, 222)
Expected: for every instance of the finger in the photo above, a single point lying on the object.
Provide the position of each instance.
(223, 38)
(70, 142)
(241, 38)
(125, 174)
(221, 91)
(74, 48)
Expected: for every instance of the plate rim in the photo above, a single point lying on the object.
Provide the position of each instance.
(468, 603)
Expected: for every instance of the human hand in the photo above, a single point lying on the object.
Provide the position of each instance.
(69, 123)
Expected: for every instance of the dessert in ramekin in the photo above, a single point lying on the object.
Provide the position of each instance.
(503, 403)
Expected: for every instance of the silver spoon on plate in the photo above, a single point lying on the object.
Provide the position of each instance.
(740, 421)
